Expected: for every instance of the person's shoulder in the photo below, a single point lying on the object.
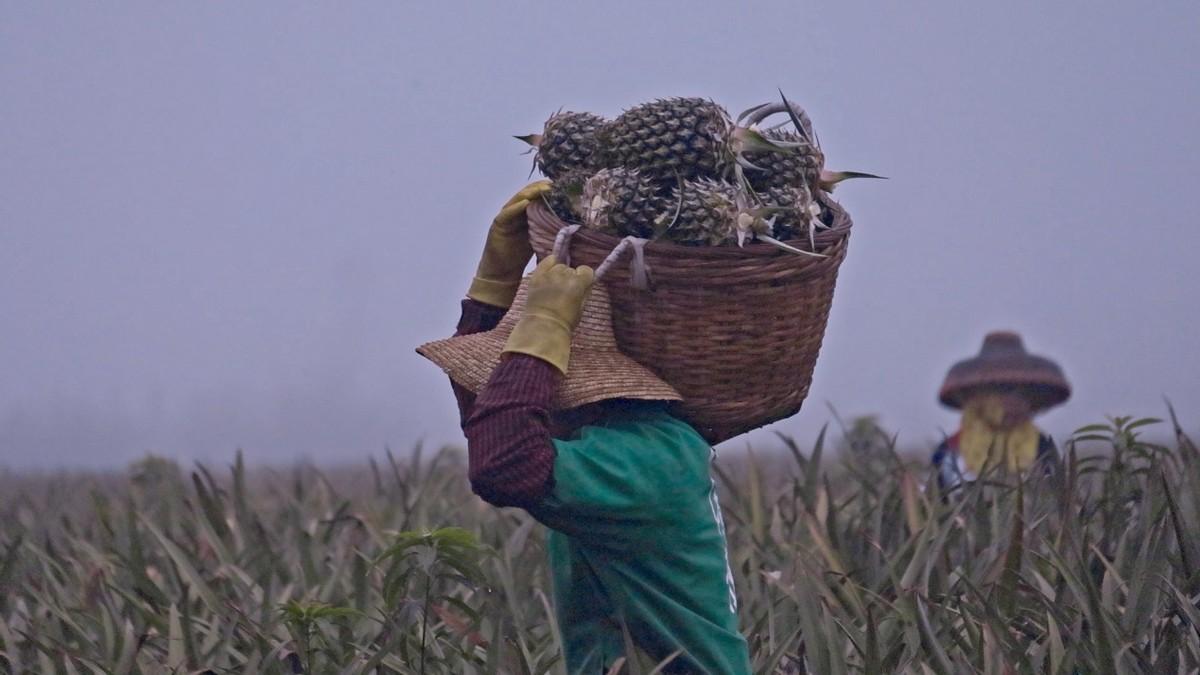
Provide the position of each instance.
(642, 425)
(647, 442)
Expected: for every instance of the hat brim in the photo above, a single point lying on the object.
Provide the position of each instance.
(1036, 379)
(597, 370)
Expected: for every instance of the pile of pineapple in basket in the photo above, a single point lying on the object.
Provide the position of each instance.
(683, 170)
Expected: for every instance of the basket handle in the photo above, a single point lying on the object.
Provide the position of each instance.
(639, 271)
(562, 244)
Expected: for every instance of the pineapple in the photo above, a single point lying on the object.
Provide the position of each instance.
(565, 196)
(796, 212)
(706, 212)
(567, 143)
(679, 138)
(621, 202)
(804, 165)
(786, 169)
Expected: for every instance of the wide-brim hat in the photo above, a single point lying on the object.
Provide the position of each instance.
(597, 371)
(1003, 362)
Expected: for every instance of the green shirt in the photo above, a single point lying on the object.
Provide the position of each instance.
(638, 540)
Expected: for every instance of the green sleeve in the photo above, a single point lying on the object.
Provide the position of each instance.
(617, 483)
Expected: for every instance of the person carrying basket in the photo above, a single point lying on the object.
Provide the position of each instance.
(562, 424)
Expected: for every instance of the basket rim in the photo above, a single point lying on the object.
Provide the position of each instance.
(825, 239)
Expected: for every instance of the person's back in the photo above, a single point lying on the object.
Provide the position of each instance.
(637, 539)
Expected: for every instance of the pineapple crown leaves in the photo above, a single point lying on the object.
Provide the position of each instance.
(829, 179)
(756, 116)
(750, 139)
(659, 227)
(752, 223)
(800, 120)
(534, 141)
(748, 136)
(593, 208)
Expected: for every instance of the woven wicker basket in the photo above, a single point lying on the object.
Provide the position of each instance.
(735, 331)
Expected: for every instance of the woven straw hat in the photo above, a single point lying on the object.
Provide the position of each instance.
(1003, 362)
(598, 370)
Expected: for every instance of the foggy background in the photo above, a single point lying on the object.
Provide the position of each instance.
(228, 225)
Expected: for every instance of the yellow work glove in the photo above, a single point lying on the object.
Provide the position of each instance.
(507, 250)
(552, 308)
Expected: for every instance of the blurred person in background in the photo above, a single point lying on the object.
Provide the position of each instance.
(999, 391)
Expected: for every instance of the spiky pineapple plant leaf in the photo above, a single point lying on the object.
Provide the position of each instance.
(826, 180)
(567, 143)
(842, 564)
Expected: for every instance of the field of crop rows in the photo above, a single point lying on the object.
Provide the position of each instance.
(846, 561)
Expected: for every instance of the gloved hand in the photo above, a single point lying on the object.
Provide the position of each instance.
(507, 250)
(552, 310)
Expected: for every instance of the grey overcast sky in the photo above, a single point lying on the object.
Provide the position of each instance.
(228, 225)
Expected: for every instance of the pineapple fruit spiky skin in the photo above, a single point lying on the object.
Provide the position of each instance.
(568, 143)
(707, 214)
(621, 202)
(792, 223)
(566, 194)
(681, 170)
(670, 138)
(786, 169)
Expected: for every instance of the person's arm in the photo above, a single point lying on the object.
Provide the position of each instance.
(505, 254)
(477, 317)
(945, 462)
(510, 451)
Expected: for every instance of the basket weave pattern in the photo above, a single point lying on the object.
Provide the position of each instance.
(736, 331)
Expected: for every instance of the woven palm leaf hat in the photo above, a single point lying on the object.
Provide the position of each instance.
(1002, 362)
(597, 371)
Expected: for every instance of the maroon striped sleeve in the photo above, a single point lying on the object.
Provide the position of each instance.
(477, 317)
(509, 447)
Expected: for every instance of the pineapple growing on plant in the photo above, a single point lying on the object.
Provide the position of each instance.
(567, 143)
(621, 202)
(680, 138)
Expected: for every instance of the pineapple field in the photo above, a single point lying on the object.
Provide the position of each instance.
(846, 558)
